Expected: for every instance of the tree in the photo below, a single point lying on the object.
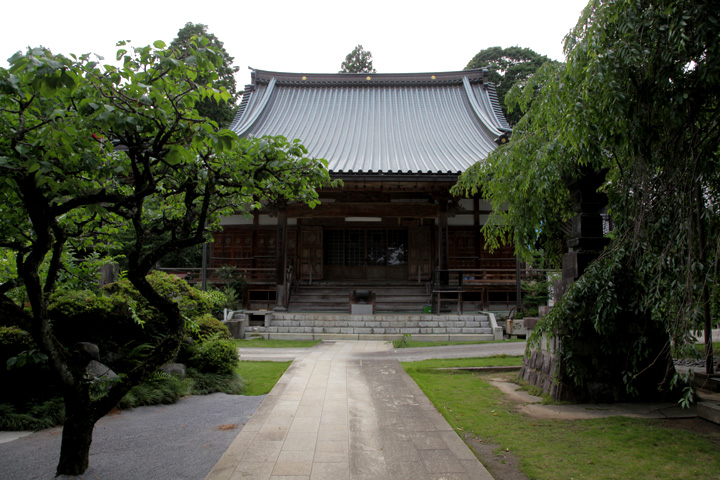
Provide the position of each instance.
(508, 67)
(358, 61)
(221, 111)
(638, 96)
(88, 150)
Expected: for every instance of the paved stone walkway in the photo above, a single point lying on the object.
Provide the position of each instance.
(347, 411)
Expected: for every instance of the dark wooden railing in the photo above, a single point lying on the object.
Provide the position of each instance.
(449, 285)
(252, 276)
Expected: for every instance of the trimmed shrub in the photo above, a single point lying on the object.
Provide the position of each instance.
(37, 417)
(14, 340)
(207, 383)
(159, 389)
(214, 355)
(209, 326)
(218, 300)
(118, 319)
(90, 316)
(191, 301)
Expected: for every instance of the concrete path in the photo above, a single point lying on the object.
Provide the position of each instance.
(347, 410)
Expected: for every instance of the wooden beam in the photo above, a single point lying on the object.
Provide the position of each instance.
(342, 209)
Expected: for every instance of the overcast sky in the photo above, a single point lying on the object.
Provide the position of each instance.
(311, 36)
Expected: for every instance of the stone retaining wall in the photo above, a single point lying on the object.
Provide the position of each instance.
(540, 367)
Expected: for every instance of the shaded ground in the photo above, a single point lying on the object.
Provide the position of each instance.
(182, 441)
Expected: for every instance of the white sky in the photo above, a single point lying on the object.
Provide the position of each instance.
(312, 36)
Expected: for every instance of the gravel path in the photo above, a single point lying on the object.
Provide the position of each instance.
(182, 441)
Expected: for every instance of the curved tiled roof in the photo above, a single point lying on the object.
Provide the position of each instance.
(420, 123)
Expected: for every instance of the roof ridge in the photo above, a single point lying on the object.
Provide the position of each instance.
(370, 79)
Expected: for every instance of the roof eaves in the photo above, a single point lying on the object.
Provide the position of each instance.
(249, 120)
(480, 113)
(369, 79)
(393, 177)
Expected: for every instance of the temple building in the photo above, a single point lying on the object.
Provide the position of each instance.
(398, 142)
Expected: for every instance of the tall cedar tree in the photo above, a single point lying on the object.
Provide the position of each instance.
(220, 111)
(358, 61)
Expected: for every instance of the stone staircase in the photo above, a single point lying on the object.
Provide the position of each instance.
(343, 326)
(321, 311)
(335, 297)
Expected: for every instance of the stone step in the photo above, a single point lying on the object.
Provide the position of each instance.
(377, 330)
(379, 317)
(379, 326)
(351, 324)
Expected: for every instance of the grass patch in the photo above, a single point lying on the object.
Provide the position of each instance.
(263, 343)
(205, 383)
(420, 343)
(494, 361)
(157, 390)
(610, 448)
(37, 417)
(260, 377)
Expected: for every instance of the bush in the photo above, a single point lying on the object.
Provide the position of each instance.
(93, 316)
(206, 383)
(233, 278)
(13, 340)
(217, 299)
(37, 417)
(191, 301)
(159, 389)
(118, 319)
(214, 355)
(209, 326)
(25, 374)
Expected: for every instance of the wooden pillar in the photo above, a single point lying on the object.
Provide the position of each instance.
(443, 240)
(477, 235)
(281, 258)
(256, 223)
(518, 284)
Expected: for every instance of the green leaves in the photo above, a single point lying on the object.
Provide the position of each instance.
(358, 61)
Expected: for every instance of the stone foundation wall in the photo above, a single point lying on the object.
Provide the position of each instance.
(540, 366)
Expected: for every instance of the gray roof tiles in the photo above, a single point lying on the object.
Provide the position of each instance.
(423, 123)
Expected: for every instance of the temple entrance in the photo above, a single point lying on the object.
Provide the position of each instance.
(365, 254)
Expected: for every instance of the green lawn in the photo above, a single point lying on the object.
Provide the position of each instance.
(610, 448)
(420, 343)
(260, 377)
(262, 343)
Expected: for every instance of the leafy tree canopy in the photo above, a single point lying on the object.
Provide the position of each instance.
(508, 67)
(90, 150)
(358, 61)
(638, 96)
(223, 111)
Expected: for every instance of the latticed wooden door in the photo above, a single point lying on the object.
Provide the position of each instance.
(311, 253)
(420, 255)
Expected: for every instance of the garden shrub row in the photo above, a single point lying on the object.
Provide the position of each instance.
(124, 326)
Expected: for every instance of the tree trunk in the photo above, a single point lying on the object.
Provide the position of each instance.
(76, 437)
(705, 294)
(709, 368)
